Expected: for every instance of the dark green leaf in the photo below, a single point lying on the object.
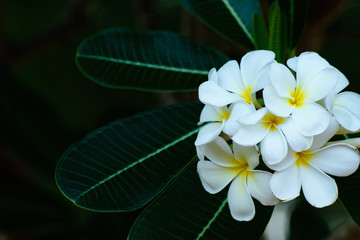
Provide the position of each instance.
(231, 18)
(123, 165)
(146, 60)
(186, 211)
(260, 33)
(296, 12)
(349, 194)
(278, 31)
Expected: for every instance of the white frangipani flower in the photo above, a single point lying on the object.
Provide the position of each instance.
(236, 167)
(344, 106)
(286, 96)
(234, 83)
(307, 170)
(274, 134)
(220, 119)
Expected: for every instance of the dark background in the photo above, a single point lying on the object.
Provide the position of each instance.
(46, 104)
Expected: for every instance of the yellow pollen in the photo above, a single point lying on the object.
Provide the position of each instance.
(271, 121)
(303, 158)
(246, 95)
(297, 99)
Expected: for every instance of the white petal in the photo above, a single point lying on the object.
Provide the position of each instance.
(219, 152)
(230, 77)
(210, 114)
(282, 80)
(328, 101)
(321, 84)
(341, 83)
(258, 183)
(214, 177)
(238, 110)
(253, 116)
(319, 189)
(350, 101)
(263, 79)
(286, 184)
(292, 63)
(308, 65)
(337, 159)
(249, 154)
(289, 160)
(212, 94)
(213, 76)
(277, 105)
(311, 119)
(346, 118)
(251, 65)
(241, 205)
(209, 132)
(199, 153)
(321, 139)
(297, 141)
(273, 147)
(250, 135)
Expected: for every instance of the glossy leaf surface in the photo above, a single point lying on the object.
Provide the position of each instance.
(231, 18)
(124, 164)
(146, 60)
(186, 211)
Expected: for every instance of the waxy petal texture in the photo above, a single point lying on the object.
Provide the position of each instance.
(319, 189)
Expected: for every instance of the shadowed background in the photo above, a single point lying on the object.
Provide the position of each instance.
(46, 104)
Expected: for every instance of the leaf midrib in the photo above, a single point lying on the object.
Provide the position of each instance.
(142, 64)
(137, 162)
(216, 214)
(238, 19)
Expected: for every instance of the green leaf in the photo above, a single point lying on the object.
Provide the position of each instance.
(260, 33)
(123, 165)
(186, 211)
(296, 12)
(349, 194)
(146, 60)
(278, 32)
(297, 15)
(231, 18)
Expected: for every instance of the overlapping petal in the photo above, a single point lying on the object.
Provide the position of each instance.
(211, 93)
(213, 177)
(241, 205)
(319, 189)
(274, 147)
(286, 184)
(230, 77)
(259, 187)
(311, 119)
(209, 132)
(339, 159)
(219, 152)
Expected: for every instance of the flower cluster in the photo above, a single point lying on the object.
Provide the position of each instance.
(286, 115)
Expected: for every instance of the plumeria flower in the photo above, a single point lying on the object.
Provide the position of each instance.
(220, 119)
(234, 83)
(285, 96)
(344, 106)
(274, 134)
(236, 167)
(307, 170)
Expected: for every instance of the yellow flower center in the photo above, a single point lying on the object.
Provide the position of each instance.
(224, 114)
(303, 158)
(297, 99)
(246, 95)
(271, 121)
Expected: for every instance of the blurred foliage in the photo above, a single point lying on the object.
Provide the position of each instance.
(46, 104)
